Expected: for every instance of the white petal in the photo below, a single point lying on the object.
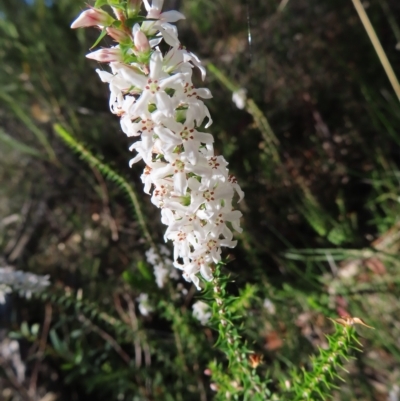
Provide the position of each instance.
(239, 191)
(155, 42)
(104, 75)
(203, 137)
(172, 82)
(170, 37)
(204, 93)
(157, 4)
(191, 151)
(164, 104)
(194, 185)
(141, 106)
(227, 233)
(137, 158)
(155, 65)
(180, 183)
(162, 172)
(147, 5)
(167, 136)
(210, 121)
(133, 78)
(206, 272)
(171, 16)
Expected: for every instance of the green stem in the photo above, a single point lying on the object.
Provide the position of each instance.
(251, 107)
(40, 135)
(242, 380)
(314, 384)
(110, 174)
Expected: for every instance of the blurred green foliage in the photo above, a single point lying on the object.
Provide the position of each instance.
(321, 220)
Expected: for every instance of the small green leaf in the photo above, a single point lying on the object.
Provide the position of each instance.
(144, 270)
(100, 3)
(8, 28)
(130, 59)
(25, 329)
(180, 115)
(78, 357)
(152, 107)
(76, 333)
(67, 366)
(114, 4)
(19, 146)
(55, 341)
(169, 91)
(125, 48)
(134, 20)
(35, 329)
(101, 36)
(116, 24)
(14, 335)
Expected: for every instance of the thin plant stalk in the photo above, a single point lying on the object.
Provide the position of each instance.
(377, 46)
(251, 107)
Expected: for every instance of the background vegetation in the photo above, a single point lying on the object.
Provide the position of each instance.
(321, 214)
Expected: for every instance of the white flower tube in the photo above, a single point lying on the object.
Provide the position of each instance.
(154, 95)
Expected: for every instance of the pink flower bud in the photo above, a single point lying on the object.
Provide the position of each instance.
(118, 35)
(91, 17)
(106, 55)
(141, 42)
(119, 13)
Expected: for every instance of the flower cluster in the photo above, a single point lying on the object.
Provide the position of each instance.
(24, 283)
(153, 94)
(162, 268)
(10, 354)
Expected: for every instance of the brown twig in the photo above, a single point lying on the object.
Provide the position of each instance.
(41, 350)
(134, 325)
(123, 315)
(106, 204)
(10, 375)
(106, 337)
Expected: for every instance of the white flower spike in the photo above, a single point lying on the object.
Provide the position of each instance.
(154, 95)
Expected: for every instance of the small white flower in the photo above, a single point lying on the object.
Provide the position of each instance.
(144, 305)
(4, 290)
(269, 306)
(162, 24)
(162, 268)
(152, 87)
(173, 134)
(202, 312)
(210, 193)
(154, 12)
(151, 256)
(239, 98)
(161, 274)
(394, 393)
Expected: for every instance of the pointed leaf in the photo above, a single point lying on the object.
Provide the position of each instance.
(100, 3)
(101, 36)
